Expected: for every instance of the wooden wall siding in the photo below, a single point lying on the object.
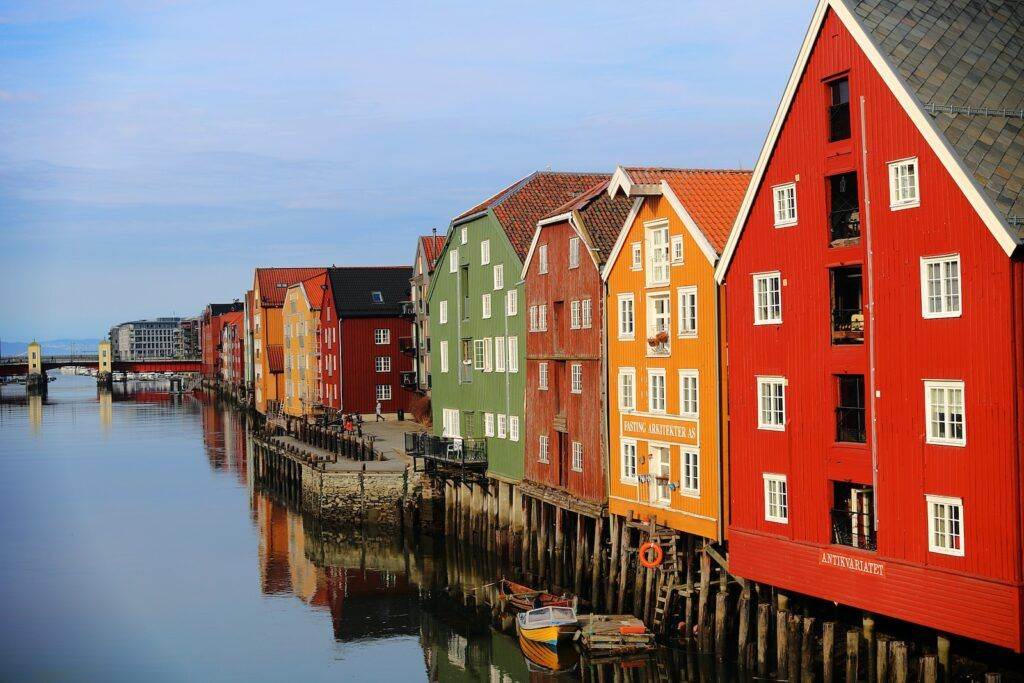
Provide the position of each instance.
(330, 371)
(303, 314)
(561, 347)
(271, 333)
(359, 377)
(980, 348)
(696, 515)
(489, 392)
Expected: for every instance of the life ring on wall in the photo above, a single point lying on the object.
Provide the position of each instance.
(659, 554)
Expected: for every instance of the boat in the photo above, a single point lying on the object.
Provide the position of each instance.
(542, 659)
(523, 598)
(547, 625)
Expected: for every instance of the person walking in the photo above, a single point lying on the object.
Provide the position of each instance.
(380, 418)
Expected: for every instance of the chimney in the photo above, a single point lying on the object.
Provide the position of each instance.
(433, 231)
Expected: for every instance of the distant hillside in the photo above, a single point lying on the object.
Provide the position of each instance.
(51, 347)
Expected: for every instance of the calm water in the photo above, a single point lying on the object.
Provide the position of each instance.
(135, 548)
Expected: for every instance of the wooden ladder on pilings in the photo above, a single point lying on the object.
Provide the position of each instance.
(668, 576)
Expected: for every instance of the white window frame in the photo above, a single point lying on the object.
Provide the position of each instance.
(478, 354)
(664, 457)
(587, 307)
(772, 425)
(653, 318)
(513, 354)
(627, 453)
(574, 252)
(488, 354)
(785, 216)
(676, 251)
(511, 302)
(382, 363)
(485, 252)
(485, 305)
(687, 303)
(636, 256)
(780, 493)
(544, 449)
(689, 396)
(944, 547)
(384, 392)
(499, 276)
(542, 376)
(502, 426)
(627, 324)
(631, 374)
(450, 422)
(689, 471)
(542, 318)
(947, 291)
(382, 336)
(897, 171)
(513, 428)
(453, 261)
(945, 387)
(442, 312)
(542, 259)
(651, 395)
(576, 374)
(489, 424)
(533, 319)
(765, 314)
(577, 456)
(575, 319)
(443, 351)
(499, 354)
(659, 257)
(464, 234)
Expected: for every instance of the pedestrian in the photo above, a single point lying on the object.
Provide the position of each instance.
(380, 418)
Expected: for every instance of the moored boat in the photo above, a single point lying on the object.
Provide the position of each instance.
(547, 625)
(523, 598)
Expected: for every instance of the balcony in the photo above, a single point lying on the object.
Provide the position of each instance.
(408, 379)
(408, 309)
(847, 326)
(448, 451)
(407, 346)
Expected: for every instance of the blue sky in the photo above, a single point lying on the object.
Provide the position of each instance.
(153, 153)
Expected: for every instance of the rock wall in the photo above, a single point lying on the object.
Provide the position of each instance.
(383, 499)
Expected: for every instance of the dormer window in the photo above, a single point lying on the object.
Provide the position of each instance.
(839, 110)
(377, 297)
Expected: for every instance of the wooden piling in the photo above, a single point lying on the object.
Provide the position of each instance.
(828, 649)
(614, 521)
(807, 651)
(899, 664)
(743, 625)
(722, 622)
(781, 642)
(581, 544)
(852, 655)
(703, 620)
(929, 669)
(882, 660)
(527, 533)
(559, 545)
(624, 551)
(868, 624)
(942, 646)
(764, 615)
(794, 632)
(595, 580)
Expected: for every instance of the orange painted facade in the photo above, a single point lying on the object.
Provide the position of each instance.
(301, 322)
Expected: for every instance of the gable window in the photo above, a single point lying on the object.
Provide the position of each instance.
(839, 110)
(442, 312)
(767, 298)
(785, 204)
(542, 258)
(574, 252)
(478, 354)
(944, 403)
(656, 390)
(690, 484)
(502, 426)
(377, 297)
(659, 323)
(485, 252)
(626, 319)
(513, 354)
(511, 302)
(689, 405)
(627, 389)
(542, 317)
(771, 401)
(488, 424)
(383, 392)
(453, 261)
(574, 317)
(488, 354)
(444, 355)
(636, 258)
(499, 276)
(687, 311)
(382, 363)
(903, 192)
(940, 286)
(588, 314)
(485, 305)
(577, 456)
(628, 472)
(677, 249)
(382, 336)
(657, 253)
(499, 354)
(542, 449)
(465, 235)
(776, 498)
(513, 427)
(542, 376)
(945, 525)
(577, 378)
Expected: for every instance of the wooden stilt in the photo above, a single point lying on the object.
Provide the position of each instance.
(899, 664)
(794, 633)
(559, 545)
(614, 522)
(743, 627)
(595, 579)
(722, 621)
(764, 615)
(527, 534)
(542, 540)
(581, 544)
(623, 563)
(689, 588)
(807, 651)
(703, 618)
(781, 641)
(868, 623)
(942, 646)
(828, 649)
(852, 655)
(882, 660)
(929, 669)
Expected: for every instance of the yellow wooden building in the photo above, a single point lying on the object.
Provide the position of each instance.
(301, 319)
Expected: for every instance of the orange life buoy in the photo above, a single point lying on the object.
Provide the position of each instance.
(658, 555)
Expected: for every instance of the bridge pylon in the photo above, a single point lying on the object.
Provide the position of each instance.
(104, 365)
(36, 381)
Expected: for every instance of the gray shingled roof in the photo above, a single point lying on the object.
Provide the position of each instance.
(959, 56)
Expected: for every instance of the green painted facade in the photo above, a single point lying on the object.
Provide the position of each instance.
(478, 388)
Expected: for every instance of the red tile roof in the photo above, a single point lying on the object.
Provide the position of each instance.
(432, 246)
(275, 358)
(712, 197)
(603, 217)
(519, 206)
(274, 282)
(314, 287)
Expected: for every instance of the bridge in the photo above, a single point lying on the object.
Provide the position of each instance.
(35, 363)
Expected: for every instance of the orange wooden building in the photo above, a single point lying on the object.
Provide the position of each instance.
(666, 353)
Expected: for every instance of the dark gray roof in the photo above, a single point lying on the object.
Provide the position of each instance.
(959, 56)
(353, 289)
(221, 309)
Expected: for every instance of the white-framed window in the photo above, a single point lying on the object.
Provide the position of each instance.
(442, 312)
(785, 204)
(502, 426)
(488, 354)
(542, 258)
(627, 317)
(489, 424)
(542, 376)
(577, 456)
(577, 378)
(944, 413)
(945, 525)
(478, 354)
(453, 261)
(903, 185)
(636, 259)
(464, 234)
(627, 389)
(383, 392)
(542, 317)
(382, 335)
(689, 393)
(690, 483)
(499, 276)
(443, 351)
(513, 427)
(512, 302)
(574, 252)
(499, 354)
(628, 473)
(382, 363)
(485, 252)
(513, 354)
(767, 298)
(533, 319)
(660, 457)
(656, 390)
(771, 403)
(588, 313)
(542, 449)
(485, 305)
(659, 319)
(687, 311)
(450, 422)
(940, 286)
(657, 253)
(677, 249)
(575, 320)
(776, 498)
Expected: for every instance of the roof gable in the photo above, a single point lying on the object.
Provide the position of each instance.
(273, 283)
(431, 246)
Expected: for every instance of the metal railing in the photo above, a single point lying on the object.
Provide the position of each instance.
(847, 326)
(470, 453)
(844, 224)
(850, 425)
(853, 529)
(407, 346)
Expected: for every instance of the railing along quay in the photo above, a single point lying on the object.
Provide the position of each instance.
(331, 444)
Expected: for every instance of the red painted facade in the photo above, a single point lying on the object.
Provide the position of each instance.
(982, 347)
(211, 326)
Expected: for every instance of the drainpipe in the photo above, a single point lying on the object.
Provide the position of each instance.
(869, 261)
(720, 336)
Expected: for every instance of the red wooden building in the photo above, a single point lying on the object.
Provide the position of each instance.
(361, 339)
(565, 433)
(874, 296)
(211, 324)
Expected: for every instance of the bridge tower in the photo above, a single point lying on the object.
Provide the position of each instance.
(104, 364)
(36, 380)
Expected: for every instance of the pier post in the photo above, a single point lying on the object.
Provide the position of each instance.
(595, 582)
(852, 655)
(764, 615)
(807, 652)
(942, 646)
(743, 627)
(613, 560)
(828, 649)
(580, 548)
(623, 561)
(900, 668)
(869, 642)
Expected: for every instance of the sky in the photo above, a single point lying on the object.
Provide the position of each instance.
(153, 153)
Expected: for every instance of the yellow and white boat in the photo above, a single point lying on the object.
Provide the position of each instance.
(547, 625)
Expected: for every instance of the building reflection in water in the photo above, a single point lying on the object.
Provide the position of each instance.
(106, 400)
(224, 436)
(35, 413)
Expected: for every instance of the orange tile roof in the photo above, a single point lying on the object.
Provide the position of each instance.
(275, 358)
(274, 282)
(432, 246)
(314, 287)
(712, 197)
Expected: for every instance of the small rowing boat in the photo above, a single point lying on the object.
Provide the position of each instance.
(523, 598)
(547, 625)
